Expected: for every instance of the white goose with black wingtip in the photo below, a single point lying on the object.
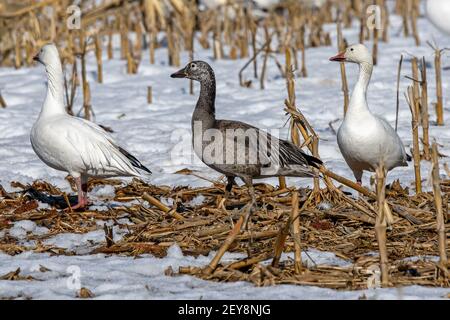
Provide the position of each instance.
(71, 144)
(364, 138)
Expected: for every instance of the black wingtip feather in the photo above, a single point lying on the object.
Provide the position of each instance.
(408, 158)
(313, 161)
(134, 161)
(294, 155)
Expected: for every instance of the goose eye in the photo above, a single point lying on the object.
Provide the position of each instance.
(193, 66)
(352, 49)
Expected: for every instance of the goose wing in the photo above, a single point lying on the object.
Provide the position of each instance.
(98, 151)
(395, 143)
(268, 150)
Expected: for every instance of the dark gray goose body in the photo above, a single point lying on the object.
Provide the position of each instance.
(237, 149)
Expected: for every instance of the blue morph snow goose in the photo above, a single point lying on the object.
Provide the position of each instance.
(364, 138)
(247, 152)
(71, 144)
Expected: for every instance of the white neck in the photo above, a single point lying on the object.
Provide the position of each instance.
(54, 101)
(358, 101)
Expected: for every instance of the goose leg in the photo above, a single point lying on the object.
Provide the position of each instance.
(80, 203)
(84, 189)
(251, 206)
(358, 177)
(229, 186)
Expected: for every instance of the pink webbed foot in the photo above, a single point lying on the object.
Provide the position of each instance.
(82, 196)
(76, 207)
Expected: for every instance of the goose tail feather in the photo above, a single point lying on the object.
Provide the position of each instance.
(313, 161)
(408, 158)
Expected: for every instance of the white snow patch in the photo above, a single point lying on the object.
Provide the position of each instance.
(21, 228)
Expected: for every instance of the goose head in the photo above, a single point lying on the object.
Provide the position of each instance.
(195, 70)
(47, 55)
(357, 53)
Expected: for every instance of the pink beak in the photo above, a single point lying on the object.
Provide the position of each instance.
(339, 58)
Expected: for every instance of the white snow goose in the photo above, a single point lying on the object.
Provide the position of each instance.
(438, 12)
(364, 138)
(71, 144)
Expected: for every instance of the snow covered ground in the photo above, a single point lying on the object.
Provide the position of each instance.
(143, 278)
(159, 133)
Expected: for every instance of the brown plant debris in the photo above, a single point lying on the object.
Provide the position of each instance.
(329, 221)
